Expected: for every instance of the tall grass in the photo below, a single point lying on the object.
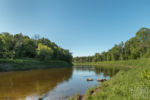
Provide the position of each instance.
(111, 64)
(133, 84)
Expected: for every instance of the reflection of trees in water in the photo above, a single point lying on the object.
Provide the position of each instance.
(84, 68)
(106, 71)
(20, 84)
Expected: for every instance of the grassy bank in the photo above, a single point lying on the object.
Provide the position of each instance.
(133, 84)
(123, 63)
(28, 63)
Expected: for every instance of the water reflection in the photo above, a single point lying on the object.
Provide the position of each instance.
(50, 84)
(106, 71)
(98, 70)
(20, 84)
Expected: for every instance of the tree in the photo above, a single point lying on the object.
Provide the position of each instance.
(134, 48)
(143, 34)
(29, 48)
(67, 56)
(109, 56)
(19, 41)
(9, 45)
(97, 57)
(45, 41)
(1, 46)
(19, 45)
(44, 52)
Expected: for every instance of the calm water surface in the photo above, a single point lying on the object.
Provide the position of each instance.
(50, 84)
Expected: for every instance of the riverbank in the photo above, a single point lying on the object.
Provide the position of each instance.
(110, 64)
(125, 85)
(28, 64)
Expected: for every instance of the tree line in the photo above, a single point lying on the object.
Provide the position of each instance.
(21, 46)
(134, 48)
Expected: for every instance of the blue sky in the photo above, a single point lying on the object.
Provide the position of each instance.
(82, 26)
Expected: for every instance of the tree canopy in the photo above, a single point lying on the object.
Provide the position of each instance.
(19, 46)
(134, 48)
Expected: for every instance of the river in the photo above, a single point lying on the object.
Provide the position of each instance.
(50, 84)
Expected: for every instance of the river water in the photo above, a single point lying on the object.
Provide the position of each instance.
(50, 84)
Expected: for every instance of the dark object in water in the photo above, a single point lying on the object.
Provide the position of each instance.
(101, 80)
(89, 79)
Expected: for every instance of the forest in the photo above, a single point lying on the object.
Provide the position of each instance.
(20, 46)
(134, 48)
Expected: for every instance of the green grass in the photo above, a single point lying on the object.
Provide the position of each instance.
(133, 84)
(121, 65)
(28, 63)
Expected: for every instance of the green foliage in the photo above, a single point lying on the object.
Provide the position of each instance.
(71, 98)
(20, 46)
(1, 46)
(143, 34)
(24, 46)
(134, 48)
(44, 52)
(126, 85)
(146, 74)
